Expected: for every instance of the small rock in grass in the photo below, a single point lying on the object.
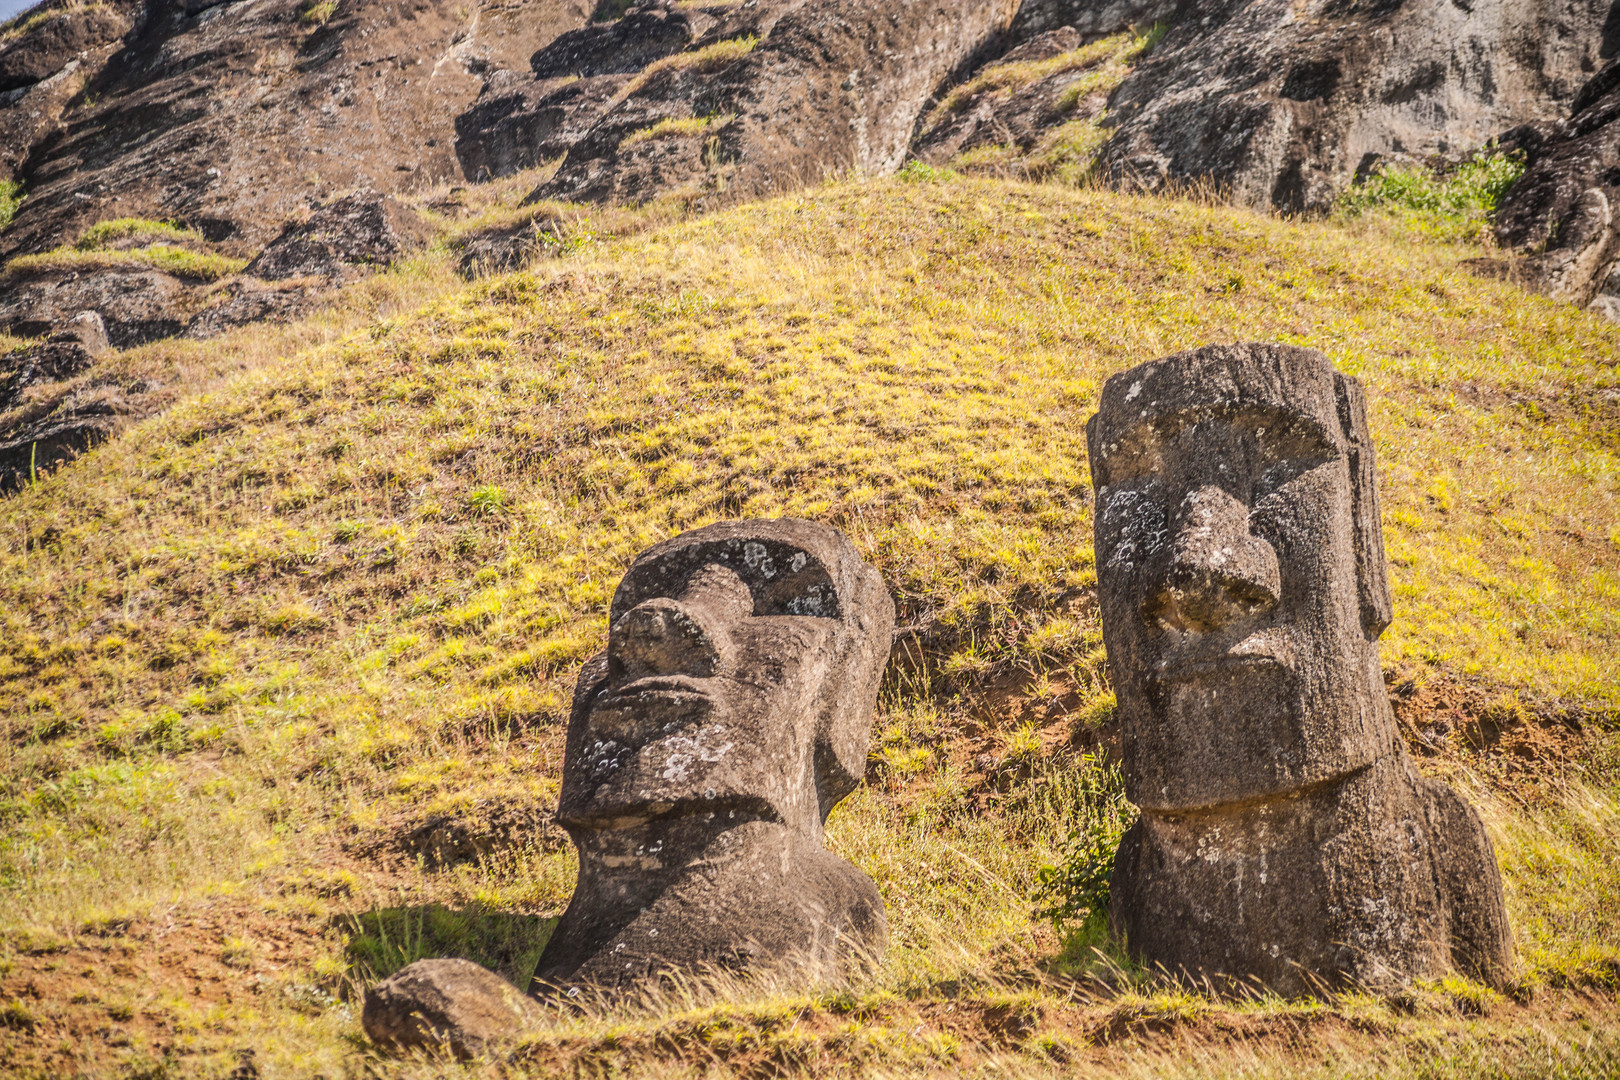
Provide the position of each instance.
(452, 1005)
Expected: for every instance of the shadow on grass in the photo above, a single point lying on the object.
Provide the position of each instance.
(383, 941)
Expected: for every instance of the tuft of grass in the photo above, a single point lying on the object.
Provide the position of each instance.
(707, 60)
(144, 231)
(18, 1017)
(11, 199)
(1106, 60)
(1120, 47)
(487, 499)
(704, 61)
(676, 127)
(1455, 206)
(181, 262)
(920, 172)
(317, 12)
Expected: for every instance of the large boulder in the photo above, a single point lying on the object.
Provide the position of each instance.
(343, 239)
(521, 122)
(731, 712)
(56, 40)
(1562, 211)
(38, 437)
(1286, 839)
(248, 300)
(136, 304)
(65, 353)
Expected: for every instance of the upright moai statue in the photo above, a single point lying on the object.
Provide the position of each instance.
(1285, 836)
(730, 713)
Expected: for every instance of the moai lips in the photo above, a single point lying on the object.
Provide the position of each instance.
(1285, 835)
(728, 716)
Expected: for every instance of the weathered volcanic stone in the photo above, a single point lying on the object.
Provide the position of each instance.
(452, 1005)
(730, 713)
(1281, 104)
(832, 86)
(362, 230)
(1562, 211)
(1285, 837)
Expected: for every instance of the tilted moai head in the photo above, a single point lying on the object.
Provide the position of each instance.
(1240, 566)
(730, 713)
(1285, 836)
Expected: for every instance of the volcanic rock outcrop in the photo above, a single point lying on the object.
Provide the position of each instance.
(748, 99)
(1281, 104)
(730, 713)
(1563, 211)
(40, 429)
(235, 117)
(1285, 837)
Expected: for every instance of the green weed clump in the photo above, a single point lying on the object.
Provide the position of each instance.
(11, 198)
(1078, 885)
(1454, 206)
(920, 172)
(317, 12)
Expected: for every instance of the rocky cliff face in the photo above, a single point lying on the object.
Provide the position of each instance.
(1563, 210)
(245, 121)
(233, 116)
(733, 99)
(1282, 103)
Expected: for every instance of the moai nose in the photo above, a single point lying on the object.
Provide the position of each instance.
(1219, 572)
(684, 636)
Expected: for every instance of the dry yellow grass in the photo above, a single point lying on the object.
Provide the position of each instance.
(250, 646)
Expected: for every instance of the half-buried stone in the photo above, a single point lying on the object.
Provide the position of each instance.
(730, 713)
(1286, 838)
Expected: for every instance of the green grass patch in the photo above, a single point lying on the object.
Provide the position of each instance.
(1455, 206)
(143, 231)
(181, 262)
(11, 198)
(317, 12)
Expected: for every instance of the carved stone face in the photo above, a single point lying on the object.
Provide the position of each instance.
(733, 655)
(1240, 589)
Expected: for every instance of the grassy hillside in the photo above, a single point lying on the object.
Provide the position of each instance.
(283, 671)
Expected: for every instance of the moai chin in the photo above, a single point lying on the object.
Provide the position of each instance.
(730, 713)
(1285, 836)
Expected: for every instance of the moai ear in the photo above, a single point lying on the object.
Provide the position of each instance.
(1372, 570)
(849, 699)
